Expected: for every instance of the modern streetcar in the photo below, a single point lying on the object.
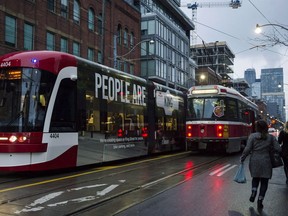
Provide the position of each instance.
(61, 111)
(218, 119)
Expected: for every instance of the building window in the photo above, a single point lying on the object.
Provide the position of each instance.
(50, 41)
(99, 57)
(64, 8)
(76, 49)
(125, 37)
(91, 18)
(76, 12)
(144, 28)
(132, 69)
(125, 67)
(132, 39)
(100, 24)
(10, 31)
(64, 45)
(90, 54)
(119, 34)
(28, 36)
(51, 5)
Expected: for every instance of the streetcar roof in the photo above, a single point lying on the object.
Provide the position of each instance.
(53, 61)
(217, 90)
(44, 60)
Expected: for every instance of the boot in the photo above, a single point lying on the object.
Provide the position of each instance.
(253, 195)
(260, 203)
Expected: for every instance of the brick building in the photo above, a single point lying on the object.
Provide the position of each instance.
(87, 28)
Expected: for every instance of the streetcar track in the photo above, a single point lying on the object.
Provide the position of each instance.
(138, 165)
(119, 170)
(140, 187)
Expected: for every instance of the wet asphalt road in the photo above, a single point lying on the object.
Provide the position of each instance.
(176, 184)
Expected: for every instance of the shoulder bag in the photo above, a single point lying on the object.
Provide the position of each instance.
(275, 157)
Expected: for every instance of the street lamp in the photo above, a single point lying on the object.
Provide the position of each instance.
(133, 48)
(202, 78)
(280, 86)
(258, 29)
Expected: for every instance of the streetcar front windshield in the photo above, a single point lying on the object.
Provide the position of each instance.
(212, 108)
(24, 94)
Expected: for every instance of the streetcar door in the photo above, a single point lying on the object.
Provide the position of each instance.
(62, 138)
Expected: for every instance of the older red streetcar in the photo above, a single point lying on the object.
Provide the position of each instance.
(58, 111)
(218, 119)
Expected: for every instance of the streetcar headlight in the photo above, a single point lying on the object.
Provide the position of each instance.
(13, 138)
(20, 139)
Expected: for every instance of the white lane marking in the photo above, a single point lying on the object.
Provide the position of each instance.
(224, 171)
(46, 198)
(39, 204)
(218, 170)
(77, 200)
(90, 186)
(31, 208)
(106, 190)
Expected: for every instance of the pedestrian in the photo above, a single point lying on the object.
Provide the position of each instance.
(283, 141)
(260, 167)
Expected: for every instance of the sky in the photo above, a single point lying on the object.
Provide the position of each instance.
(236, 27)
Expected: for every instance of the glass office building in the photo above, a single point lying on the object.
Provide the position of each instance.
(272, 92)
(166, 60)
(250, 77)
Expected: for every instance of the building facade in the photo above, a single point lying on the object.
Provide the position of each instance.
(256, 89)
(216, 55)
(148, 38)
(96, 30)
(272, 92)
(167, 60)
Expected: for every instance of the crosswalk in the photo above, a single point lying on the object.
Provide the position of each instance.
(222, 170)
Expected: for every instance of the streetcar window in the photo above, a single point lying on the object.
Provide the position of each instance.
(64, 115)
(20, 96)
(208, 108)
(231, 111)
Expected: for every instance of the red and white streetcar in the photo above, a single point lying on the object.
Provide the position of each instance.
(218, 119)
(58, 111)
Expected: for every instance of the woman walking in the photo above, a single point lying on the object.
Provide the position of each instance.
(283, 140)
(259, 144)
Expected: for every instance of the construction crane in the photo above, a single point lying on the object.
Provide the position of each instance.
(234, 4)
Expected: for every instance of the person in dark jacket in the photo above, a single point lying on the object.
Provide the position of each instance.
(260, 167)
(283, 140)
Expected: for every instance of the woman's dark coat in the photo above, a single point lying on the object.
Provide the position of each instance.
(260, 163)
